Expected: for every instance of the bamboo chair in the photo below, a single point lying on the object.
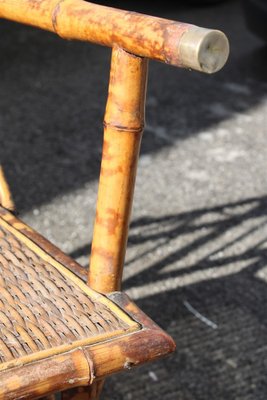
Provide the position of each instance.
(57, 332)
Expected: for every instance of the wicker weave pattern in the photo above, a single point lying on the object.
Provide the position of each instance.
(39, 307)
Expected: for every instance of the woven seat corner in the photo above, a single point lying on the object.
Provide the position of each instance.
(44, 306)
(46, 310)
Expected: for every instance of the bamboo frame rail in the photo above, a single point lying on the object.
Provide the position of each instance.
(175, 43)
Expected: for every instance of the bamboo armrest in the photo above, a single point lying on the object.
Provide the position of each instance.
(175, 43)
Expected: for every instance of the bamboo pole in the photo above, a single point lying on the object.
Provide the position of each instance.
(6, 199)
(41, 379)
(91, 392)
(175, 43)
(124, 122)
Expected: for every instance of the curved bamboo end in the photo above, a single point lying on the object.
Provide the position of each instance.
(204, 50)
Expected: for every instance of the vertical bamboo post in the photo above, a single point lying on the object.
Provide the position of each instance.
(91, 392)
(123, 128)
(6, 199)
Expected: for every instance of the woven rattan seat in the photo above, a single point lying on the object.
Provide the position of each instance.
(43, 306)
(49, 315)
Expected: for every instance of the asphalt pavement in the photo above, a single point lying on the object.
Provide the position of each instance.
(197, 253)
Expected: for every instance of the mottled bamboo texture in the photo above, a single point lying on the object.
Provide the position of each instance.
(124, 121)
(33, 380)
(172, 42)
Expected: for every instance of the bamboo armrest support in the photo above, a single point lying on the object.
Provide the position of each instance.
(175, 43)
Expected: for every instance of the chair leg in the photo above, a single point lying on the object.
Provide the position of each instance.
(5, 195)
(91, 392)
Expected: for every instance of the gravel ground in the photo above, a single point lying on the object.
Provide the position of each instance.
(197, 254)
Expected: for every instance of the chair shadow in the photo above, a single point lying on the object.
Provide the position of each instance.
(227, 218)
(176, 237)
